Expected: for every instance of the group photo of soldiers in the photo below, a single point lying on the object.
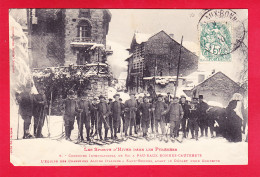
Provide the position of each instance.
(166, 118)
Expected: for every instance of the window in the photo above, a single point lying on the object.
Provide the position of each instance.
(84, 29)
(84, 13)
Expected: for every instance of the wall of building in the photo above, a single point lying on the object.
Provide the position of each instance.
(161, 49)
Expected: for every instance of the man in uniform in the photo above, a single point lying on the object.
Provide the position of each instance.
(193, 118)
(39, 112)
(130, 113)
(185, 108)
(71, 108)
(158, 108)
(94, 108)
(84, 107)
(116, 110)
(145, 109)
(103, 116)
(176, 113)
(122, 116)
(25, 100)
(203, 119)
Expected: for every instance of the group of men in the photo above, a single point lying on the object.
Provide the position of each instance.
(164, 115)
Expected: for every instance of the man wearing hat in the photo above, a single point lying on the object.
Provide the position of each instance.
(185, 108)
(159, 107)
(203, 118)
(39, 112)
(145, 109)
(84, 107)
(130, 114)
(116, 111)
(176, 113)
(94, 107)
(193, 118)
(103, 116)
(25, 100)
(71, 108)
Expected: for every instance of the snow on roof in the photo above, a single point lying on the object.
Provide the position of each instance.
(141, 37)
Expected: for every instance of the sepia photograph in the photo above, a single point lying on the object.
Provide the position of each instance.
(115, 87)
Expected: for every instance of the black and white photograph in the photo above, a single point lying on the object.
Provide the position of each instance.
(102, 87)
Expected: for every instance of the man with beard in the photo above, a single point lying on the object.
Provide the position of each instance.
(203, 119)
(176, 113)
(130, 114)
(39, 112)
(158, 108)
(84, 107)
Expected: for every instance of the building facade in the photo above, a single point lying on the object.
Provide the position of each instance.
(156, 56)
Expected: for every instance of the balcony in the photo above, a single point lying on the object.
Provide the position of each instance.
(82, 42)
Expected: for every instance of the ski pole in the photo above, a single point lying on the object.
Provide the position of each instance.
(18, 125)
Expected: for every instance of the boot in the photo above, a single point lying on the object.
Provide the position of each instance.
(197, 135)
(192, 135)
(100, 135)
(106, 131)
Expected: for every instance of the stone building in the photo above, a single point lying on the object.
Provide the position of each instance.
(154, 58)
(217, 88)
(66, 41)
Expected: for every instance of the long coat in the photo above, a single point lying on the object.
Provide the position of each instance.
(25, 104)
(86, 106)
(159, 107)
(130, 109)
(116, 110)
(71, 107)
(175, 111)
(145, 109)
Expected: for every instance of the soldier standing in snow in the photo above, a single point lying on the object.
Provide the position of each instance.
(176, 113)
(130, 113)
(185, 108)
(145, 109)
(84, 107)
(193, 118)
(94, 116)
(158, 108)
(71, 108)
(203, 118)
(25, 100)
(116, 111)
(39, 112)
(103, 116)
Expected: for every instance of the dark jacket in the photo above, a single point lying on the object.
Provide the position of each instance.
(71, 107)
(185, 108)
(145, 109)
(103, 109)
(25, 101)
(159, 107)
(39, 104)
(85, 106)
(116, 109)
(193, 113)
(130, 109)
(202, 110)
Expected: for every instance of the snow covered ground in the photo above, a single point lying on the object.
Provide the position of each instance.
(50, 152)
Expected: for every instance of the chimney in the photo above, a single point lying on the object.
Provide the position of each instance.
(171, 35)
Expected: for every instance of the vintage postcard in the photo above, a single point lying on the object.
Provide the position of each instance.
(112, 87)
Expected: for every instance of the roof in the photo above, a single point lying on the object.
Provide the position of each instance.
(141, 37)
(214, 76)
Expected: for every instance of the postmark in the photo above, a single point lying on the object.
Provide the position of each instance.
(220, 33)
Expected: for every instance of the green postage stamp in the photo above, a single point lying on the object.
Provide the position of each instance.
(215, 41)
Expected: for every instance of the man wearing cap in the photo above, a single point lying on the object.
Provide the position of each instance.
(185, 108)
(158, 108)
(116, 111)
(94, 108)
(71, 108)
(145, 109)
(193, 118)
(39, 111)
(176, 113)
(203, 118)
(130, 113)
(25, 100)
(84, 107)
(103, 116)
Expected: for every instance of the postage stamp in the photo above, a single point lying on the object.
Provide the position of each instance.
(220, 34)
